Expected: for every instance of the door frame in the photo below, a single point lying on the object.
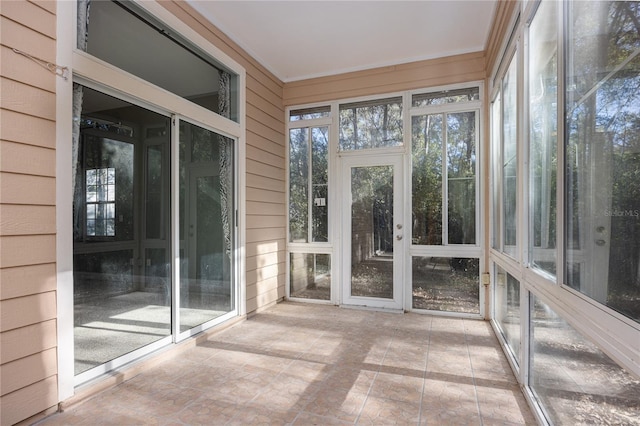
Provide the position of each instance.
(396, 160)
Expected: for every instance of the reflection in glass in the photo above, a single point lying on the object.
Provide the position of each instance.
(426, 179)
(446, 284)
(446, 97)
(310, 113)
(496, 134)
(310, 276)
(206, 191)
(543, 133)
(575, 381)
(371, 124)
(121, 288)
(510, 157)
(127, 37)
(507, 309)
(461, 177)
(372, 231)
(603, 153)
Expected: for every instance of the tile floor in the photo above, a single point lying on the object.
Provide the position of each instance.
(306, 364)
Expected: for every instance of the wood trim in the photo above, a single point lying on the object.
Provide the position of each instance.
(499, 31)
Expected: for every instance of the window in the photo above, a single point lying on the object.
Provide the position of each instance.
(371, 124)
(507, 309)
(444, 173)
(543, 134)
(510, 158)
(101, 202)
(573, 378)
(185, 70)
(308, 184)
(309, 251)
(602, 146)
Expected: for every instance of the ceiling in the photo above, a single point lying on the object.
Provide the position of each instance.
(302, 39)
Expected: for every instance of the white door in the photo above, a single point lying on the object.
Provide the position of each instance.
(373, 231)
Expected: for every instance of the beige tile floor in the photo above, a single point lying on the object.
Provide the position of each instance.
(322, 365)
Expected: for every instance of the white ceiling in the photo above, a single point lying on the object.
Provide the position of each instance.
(302, 39)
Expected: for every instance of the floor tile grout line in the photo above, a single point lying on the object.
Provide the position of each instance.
(473, 373)
(424, 375)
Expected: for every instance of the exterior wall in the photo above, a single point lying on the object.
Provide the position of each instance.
(265, 168)
(414, 75)
(28, 368)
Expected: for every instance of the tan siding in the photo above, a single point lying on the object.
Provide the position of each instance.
(27, 280)
(266, 157)
(28, 370)
(24, 250)
(263, 221)
(261, 182)
(27, 211)
(31, 16)
(254, 194)
(27, 129)
(28, 401)
(26, 99)
(27, 159)
(20, 37)
(255, 262)
(13, 66)
(22, 342)
(256, 248)
(27, 189)
(434, 72)
(27, 220)
(23, 311)
(258, 208)
(264, 144)
(266, 170)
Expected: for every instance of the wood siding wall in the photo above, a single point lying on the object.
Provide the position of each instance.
(414, 75)
(28, 370)
(265, 167)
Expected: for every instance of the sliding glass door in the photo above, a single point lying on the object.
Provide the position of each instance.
(127, 301)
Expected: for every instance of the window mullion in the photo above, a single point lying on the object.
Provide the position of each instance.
(309, 185)
(445, 184)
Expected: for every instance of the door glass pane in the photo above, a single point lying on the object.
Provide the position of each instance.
(543, 128)
(461, 177)
(603, 153)
(122, 291)
(310, 276)
(446, 284)
(509, 158)
(206, 192)
(574, 380)
(372, 231)
(426, 175)
(507, 309)
(129, 38)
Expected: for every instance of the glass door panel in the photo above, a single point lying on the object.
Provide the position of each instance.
(206, 204)
(122, 288)
(374, 233)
